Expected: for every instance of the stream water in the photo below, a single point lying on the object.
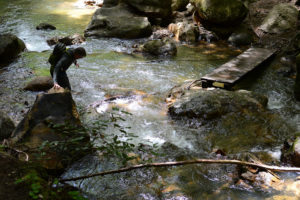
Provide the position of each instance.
(111, 69)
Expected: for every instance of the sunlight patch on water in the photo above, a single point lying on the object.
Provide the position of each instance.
(34, 40)
(73, 10)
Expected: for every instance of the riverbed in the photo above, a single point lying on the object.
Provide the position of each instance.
(112, 69)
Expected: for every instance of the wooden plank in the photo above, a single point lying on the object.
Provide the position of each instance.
(231, 72)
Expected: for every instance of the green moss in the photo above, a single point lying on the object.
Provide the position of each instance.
(37, 61)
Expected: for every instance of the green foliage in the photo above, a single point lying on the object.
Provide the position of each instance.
(96, 135)
(35, 183)
(39, 188)
(76, 195)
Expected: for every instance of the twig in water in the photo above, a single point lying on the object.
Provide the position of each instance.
(206, 161)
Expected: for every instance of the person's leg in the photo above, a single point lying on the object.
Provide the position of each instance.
(51, 70)
(63, 80)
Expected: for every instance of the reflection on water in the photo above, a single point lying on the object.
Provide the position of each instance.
(140, 83)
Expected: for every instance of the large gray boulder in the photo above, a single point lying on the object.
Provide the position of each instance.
(10, 47)
(221, 12)
(53, 119)
(118, 22)
(234, 121)
(212, 104)
(6, 126)
(281, 19)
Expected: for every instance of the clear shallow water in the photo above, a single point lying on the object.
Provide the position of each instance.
(110, 69)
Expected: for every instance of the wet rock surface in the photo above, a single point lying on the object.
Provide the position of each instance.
(52, 118)
(226, 115)
(282, 18)
(6, 126)
(118, 21)
(41, 83)
(160, 47)
(68, 40)
(297, 80)
(210, 104)
(45, 26)
(10, 47)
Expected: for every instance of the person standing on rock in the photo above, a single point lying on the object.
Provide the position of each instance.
(61, 59)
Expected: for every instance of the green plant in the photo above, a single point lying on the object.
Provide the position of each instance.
(76, 195)
(35, 183)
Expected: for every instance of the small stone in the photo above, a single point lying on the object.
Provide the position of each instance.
(45, 26)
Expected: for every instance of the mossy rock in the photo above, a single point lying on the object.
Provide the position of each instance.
(281, 19)
(234, 121)
(161, 47)
(52, 131)
(221, 12)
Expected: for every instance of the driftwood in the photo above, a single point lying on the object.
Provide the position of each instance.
(198, 161)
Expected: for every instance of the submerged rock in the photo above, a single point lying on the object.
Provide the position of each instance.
(6, 126)
(281, 19)
(45, 26)
(241, 38)
(10, 47)
(41, 83)
(118, 21)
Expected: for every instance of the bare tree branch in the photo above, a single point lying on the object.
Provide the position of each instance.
(188, 162)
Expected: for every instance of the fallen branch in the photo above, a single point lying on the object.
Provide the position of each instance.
(188, 162)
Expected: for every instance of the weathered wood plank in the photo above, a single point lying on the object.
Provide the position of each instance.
(231, 72)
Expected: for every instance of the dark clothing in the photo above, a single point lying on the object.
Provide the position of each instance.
(58, 71)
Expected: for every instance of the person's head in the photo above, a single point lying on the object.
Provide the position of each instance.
(79, 52)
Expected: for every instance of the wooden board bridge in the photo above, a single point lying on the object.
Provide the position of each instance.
(228, 74)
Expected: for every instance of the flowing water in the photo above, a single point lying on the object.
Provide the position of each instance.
(111, 69)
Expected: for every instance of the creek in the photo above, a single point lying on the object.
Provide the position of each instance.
(111, 69)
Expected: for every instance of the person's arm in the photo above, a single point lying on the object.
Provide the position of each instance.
(76, 64)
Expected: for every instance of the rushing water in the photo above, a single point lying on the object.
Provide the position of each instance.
(110, 69)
